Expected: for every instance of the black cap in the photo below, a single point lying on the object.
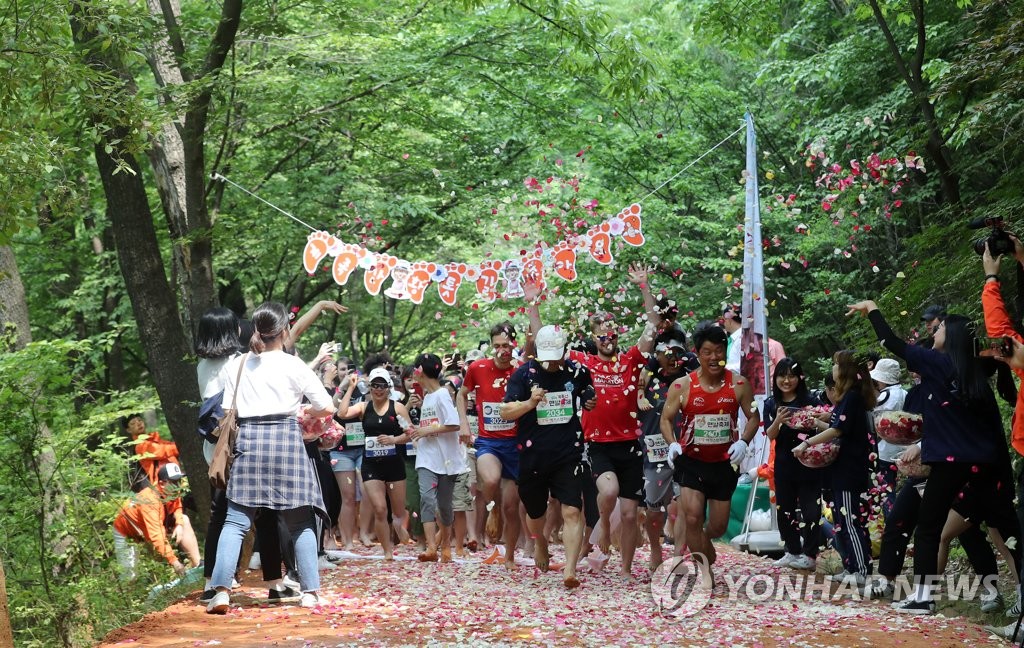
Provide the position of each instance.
(170, 472)
(933, 312)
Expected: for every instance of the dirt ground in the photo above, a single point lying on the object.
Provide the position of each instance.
(370, 602)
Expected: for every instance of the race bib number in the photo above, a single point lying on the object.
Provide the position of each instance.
(712, 429)
(354, 434)
(410, 449)
(555, 409)
(657, 449)
(374, 450)
(493, 421)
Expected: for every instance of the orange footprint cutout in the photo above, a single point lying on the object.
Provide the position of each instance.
(486, 284)
(419, 279)
(448, 287)
(533, 270)
(601, 244)
(565, 261)
(632, 233)
(378, 272)
(346, 262)
(317, 245)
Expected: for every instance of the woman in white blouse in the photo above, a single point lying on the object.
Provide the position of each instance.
(271, 468)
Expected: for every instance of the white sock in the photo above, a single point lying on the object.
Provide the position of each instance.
(276, 585)
(207, 586)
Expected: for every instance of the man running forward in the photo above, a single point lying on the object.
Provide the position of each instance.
(544, 397)
(708, 447)
(497, 458)
(612, 428)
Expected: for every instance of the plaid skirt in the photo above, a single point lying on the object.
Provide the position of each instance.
(271, 468)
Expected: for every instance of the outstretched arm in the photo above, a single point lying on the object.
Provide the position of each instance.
(532, 294)
(310, 316)
(885, 334)
(639, 275)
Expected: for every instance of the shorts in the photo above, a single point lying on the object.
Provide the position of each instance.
(462, 499)
(717, 480)
(506, 452)
(386, 469)
(346, 460)
(562, 481)
(626, 460)
(658, 485)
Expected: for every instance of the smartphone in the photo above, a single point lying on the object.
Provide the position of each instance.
(417, 389)
(994, 347)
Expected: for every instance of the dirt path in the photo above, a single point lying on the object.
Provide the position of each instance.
(370, 602)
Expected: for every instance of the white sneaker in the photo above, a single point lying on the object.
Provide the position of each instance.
(1005, 631)
(333, 555)
(991, 601)
(235, 584)
(786, 560)
(1014, 610)
(847, 578)
(803, 562)
(323, 563)
(309, 600)
(219, 604)
(254, 561)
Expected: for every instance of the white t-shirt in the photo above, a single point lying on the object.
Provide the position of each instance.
(273, 383)
(890, 399)
(441, 454)
(211, 376)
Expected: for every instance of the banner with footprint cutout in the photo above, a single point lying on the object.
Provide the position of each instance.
(492, 279)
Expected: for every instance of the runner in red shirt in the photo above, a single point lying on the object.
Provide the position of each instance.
(497, 457)
(612, 427)
(710, 446)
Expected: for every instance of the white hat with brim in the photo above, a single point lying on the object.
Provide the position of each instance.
(886, 371)
(550, 343)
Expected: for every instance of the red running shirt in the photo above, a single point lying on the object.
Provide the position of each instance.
(616, 382)
(709, 421)
(489, 382)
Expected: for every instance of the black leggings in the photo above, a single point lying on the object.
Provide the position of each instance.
(945, 482)
(591, 514)
(799, 502)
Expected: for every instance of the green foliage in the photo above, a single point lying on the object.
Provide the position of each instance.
(62, 476)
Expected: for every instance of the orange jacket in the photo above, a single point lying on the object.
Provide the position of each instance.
(998, 324)
(154, 452)
(142, 518)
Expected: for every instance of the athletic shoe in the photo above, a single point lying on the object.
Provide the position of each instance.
(786, 560)
(1014, 610)
(881, 589)
(333, 555)
(1006, 631)
(910, 606)
(991, 601)
(282, 595)
(219, 604)
(288, 581)
(324, 564)
(309, 600)
(847, 578)
(803, 562)
(254, 562)
(207, 595)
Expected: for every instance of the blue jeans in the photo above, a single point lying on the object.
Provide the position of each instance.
(300, 525)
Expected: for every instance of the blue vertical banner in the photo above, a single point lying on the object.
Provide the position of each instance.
(754, 342)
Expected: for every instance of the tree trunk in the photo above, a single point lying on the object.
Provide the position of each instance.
(138, 254)
(13, 308)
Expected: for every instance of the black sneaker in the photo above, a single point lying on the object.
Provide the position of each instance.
(207, 595)
(914, 607)
(286, 594)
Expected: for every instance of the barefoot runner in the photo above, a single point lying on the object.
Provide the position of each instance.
(497, 459)
(710, 400)
(544, 397)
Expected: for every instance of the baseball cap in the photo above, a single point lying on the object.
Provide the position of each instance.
(380, 373)
(170, 472)
(670, 344)
(932, 312)
(886, 371)
(550, 343)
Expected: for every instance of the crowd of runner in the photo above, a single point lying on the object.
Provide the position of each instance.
(539, 435)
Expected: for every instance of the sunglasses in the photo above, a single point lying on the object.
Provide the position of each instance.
(608, 337)
(378, 385)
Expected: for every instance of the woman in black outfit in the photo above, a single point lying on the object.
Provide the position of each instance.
(797, 487)
(963, 441)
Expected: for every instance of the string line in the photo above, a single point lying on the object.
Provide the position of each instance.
(221, 178)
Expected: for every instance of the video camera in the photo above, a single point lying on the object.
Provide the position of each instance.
(998, 238)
